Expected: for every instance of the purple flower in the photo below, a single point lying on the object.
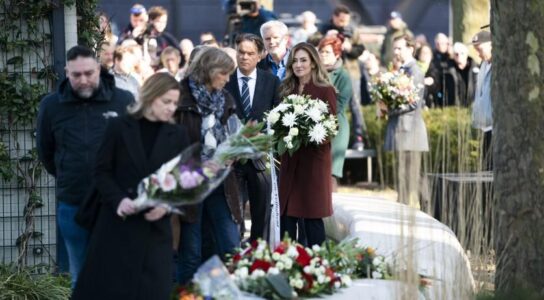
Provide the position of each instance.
(190, 179)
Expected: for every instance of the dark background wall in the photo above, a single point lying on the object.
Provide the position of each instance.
(187, 18)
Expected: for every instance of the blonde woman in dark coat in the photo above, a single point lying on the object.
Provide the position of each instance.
(130, 252)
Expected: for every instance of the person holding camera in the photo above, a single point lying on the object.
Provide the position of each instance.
(254, 16)
(138, 23)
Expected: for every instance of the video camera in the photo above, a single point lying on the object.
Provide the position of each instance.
(241, 8)
(236, 10)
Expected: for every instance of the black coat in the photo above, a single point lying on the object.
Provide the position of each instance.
(131, 258)
(69, 131)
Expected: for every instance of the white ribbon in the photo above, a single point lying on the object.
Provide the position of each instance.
(274, 236)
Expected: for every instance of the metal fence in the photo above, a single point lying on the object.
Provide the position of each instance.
(27, 193)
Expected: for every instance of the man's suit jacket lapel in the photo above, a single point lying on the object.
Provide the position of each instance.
(258, 106)
(234, 89)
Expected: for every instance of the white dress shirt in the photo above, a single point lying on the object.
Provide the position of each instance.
(250, 83)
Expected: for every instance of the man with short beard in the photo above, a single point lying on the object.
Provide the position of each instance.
(71, 123)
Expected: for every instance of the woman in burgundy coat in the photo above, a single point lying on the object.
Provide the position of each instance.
(305, 186)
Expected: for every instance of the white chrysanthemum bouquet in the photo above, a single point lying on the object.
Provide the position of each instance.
(301, 121)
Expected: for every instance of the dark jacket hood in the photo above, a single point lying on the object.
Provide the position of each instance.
(104, 92)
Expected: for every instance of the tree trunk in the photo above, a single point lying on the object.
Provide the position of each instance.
(518, 104)
(468, 17)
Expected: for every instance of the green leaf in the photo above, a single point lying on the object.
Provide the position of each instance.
(281, 147)
(280, 285)
(16, 60)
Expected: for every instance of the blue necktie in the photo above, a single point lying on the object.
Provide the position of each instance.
(246, 103)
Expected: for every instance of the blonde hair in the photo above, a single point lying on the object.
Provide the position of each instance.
(208, 62)
(320, 77)
(155, 86)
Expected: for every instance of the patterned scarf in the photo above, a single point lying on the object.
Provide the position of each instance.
(211, 106)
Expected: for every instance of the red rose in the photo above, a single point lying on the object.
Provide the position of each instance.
(260, 264)
(282, 247)
(236, 258)
(309, 281)
(330, 273)
(303, 258)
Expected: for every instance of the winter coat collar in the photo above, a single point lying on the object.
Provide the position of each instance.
(105, 90)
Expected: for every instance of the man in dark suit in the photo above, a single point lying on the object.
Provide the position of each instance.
(255, 92)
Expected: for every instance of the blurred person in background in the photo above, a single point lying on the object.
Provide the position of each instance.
(482, 109)
(352, 48)
(105, 55)
(307, 30)
(330, 52)
(137, 25)
(142, 65)
(186, 46)
(395, 27)
(171, 61)
(159, 39)
(252, 21)
(466, 71)
(372, 68)
(441, 91)
(424, 56)
(105, 28)
(123, 70)
(208, 39)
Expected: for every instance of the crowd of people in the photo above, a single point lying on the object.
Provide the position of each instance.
(145, 97)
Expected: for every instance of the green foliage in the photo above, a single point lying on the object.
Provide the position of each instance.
(19, 99)
(88, 28)
(453, 143)
(5, 163)
(29, 284)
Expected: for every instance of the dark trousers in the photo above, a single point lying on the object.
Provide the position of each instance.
(220, 225)
(487, 151)
(256, 187)
(313, 228)
(358, 125)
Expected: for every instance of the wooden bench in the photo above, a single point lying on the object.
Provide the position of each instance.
(361, 154)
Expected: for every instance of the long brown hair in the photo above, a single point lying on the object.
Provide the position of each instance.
(320, 76)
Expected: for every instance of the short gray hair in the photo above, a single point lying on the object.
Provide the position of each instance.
(274, 24)
(208, 62)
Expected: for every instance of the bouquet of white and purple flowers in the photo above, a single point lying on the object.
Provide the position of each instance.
(394, 90)
(301, 121)
(186, 179)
